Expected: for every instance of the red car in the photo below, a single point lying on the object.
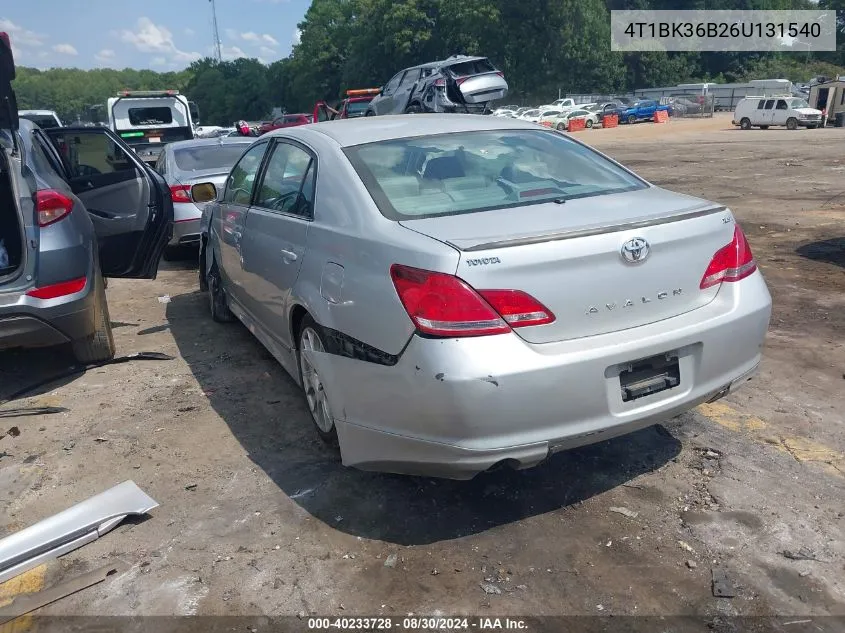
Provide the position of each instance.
(287, 120)
(353, 106)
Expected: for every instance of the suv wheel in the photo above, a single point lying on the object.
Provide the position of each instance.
(414, 108)
(792, 123)
(98, 346)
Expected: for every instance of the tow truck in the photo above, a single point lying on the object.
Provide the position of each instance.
(353, 106)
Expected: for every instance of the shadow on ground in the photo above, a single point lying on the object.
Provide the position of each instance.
(266, 413)
(22, 368)
(830, 251)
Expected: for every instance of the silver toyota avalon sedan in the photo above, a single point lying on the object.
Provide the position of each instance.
(456, 292)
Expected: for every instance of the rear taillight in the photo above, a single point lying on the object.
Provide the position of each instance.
(51, 206)
(440, 83)
(62, 289)
(518, 308)
(180, 193)
(444, 305)
(730, 263)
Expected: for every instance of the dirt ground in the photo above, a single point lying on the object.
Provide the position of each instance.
(257, 517)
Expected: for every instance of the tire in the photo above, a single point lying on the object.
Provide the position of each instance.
(171, 253)
(217, 303)
(588, 124)
(745, 123)
(792, 123)
(632, 119)
(98, 346)
(309, 337)
(561, 127)
(202, 276)
(369, 113)
(414, 108)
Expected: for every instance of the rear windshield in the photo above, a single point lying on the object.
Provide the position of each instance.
(43, 121)
(469, 172)
(475, 67)
(150, 116)
(221, 157)
(356, 108)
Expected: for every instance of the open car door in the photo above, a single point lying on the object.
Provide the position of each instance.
(322, 112)
(129, 203)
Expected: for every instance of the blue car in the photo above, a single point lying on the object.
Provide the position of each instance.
(642, 111)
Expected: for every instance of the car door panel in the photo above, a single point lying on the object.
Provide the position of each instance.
(129, 203)
(276, 236)
(230, 219)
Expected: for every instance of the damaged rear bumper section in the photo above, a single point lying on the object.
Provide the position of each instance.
(71, 529)
(456, 407)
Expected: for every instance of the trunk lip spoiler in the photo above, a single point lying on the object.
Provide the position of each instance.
(70, 529)
(688, 214)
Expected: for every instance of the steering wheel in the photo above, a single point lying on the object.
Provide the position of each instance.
(87, 170)
(281, 203)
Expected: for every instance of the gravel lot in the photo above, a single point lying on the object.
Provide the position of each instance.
(257, 517)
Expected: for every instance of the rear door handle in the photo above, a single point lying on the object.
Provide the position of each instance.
(289, 256)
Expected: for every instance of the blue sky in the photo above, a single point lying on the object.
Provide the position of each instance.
(157, 34)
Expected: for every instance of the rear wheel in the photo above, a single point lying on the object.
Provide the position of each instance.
(218, 305)
(561, 127)
(414, 108)
(369, 113)
(745, 123)
(632, 119)
(98, 346)
(310, 340)
(792, 123)
(588, 124)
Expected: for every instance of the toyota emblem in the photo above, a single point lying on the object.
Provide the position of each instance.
(635, 251)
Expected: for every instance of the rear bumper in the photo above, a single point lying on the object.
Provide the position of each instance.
(28, 322)
(453, 408)
(186, 233)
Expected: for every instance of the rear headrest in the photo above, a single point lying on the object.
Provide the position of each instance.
(443, 168)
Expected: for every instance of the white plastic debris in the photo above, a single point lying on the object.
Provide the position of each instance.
(164, 299)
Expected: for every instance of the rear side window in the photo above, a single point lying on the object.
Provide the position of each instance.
(761, 104)
(150, 116)
(782, 105)
(770, 104)
(470, 172)
(475, 67)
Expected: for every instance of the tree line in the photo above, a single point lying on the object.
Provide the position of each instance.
(543, 47)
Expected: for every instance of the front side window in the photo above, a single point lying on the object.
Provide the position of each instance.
(282, 188)
(470, 172)
(242, 179)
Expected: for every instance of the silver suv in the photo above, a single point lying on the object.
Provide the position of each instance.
(76, 205)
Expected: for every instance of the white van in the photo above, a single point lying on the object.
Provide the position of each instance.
(147, 120)
(776, 110)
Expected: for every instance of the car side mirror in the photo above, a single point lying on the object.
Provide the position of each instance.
(204, 192)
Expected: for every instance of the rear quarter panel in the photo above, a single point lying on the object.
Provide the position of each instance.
(348, 230)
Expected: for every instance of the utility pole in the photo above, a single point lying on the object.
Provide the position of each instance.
(218, 54)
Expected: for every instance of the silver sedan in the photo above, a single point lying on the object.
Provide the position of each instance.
(185, 163)
(456, 293)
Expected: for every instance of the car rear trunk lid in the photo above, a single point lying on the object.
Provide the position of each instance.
(570, 257)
